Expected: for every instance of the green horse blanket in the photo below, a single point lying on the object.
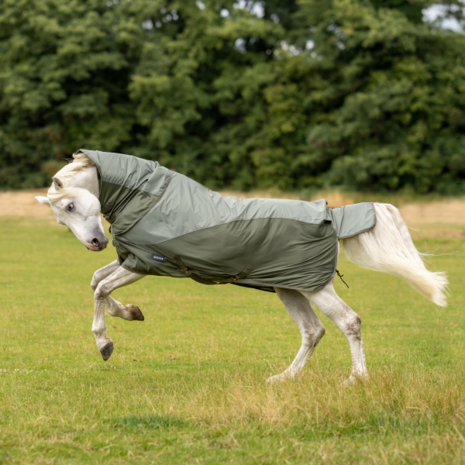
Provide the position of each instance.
(166, 224)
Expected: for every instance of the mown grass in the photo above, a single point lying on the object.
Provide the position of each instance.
(188, 384)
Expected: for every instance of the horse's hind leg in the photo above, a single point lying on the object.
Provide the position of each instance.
(348, 322)
(310, 327)
(115, 308)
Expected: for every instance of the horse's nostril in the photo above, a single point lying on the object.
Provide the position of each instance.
(95, 242)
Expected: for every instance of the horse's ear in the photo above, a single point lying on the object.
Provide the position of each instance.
(57, 182)
(43, 200)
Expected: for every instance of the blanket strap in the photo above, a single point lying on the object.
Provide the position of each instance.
(244, 274)
(341, 276)
(181, 265)
(189, 273)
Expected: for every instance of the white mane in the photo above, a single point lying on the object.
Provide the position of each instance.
(80, 162)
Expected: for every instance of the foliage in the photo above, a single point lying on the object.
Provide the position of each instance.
(288, 94)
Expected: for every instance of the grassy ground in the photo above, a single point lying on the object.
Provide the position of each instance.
(188, 384)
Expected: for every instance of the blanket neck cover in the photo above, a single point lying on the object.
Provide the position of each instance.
(166, 224)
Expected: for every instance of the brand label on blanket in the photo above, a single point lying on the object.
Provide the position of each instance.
(158, 258)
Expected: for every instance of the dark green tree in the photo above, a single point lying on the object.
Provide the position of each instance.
(273, 93)
(63, 84)
(382, 103)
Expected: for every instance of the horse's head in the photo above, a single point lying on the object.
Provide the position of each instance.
(76, 205)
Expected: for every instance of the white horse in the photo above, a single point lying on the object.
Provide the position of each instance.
(388, 247)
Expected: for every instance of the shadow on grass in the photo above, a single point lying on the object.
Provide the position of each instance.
(378, 424)
(149, 422)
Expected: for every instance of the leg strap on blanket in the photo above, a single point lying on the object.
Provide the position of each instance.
(189, 273)
(341, 276)
(244, 274)
(181, 265)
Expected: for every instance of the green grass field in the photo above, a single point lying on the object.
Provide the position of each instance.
(187, 386)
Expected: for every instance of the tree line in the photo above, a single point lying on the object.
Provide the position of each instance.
(289, 94)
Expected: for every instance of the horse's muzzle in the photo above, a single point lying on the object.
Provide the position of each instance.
(97, 245)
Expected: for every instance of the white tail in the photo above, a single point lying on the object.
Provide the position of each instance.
(388, 247)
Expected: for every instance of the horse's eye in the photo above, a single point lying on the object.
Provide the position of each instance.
(70, 207)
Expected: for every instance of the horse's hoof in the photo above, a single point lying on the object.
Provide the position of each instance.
(349, 382)
(135, 312)
(353, 379)
(276, 379)
(106, 351)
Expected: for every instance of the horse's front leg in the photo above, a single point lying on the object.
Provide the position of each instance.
(119, 278)
(115, 308)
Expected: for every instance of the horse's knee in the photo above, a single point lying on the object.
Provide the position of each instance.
(95, 280)
(102, 291)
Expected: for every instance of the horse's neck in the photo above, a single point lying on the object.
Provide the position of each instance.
(86, 179)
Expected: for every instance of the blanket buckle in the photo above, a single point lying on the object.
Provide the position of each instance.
(182, 265)
(243, 274)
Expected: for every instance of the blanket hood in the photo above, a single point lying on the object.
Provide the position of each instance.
(127, 184)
